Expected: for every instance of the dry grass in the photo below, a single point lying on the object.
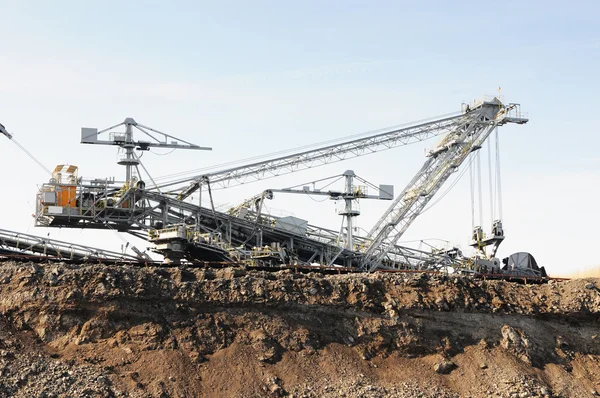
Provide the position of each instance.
(588, 272)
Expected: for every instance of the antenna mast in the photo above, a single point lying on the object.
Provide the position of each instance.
(126, 141)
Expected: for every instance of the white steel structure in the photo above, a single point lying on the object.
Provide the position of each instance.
(466, 137)
(180, 228)
(16, 244)
(126, 141)
(349, 209)
(372, 143)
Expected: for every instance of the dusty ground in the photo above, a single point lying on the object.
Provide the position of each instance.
(588, 272)
(150, 332)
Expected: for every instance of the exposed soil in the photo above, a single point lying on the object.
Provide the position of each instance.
(96, 331)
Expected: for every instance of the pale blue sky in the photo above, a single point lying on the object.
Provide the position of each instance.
(257, 77)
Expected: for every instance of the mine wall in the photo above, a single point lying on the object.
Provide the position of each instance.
(97, 330)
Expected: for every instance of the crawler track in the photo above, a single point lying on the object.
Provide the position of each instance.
(4, 257)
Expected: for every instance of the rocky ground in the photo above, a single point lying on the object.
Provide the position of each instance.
(110, 331)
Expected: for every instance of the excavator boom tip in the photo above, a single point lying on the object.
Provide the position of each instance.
(6, 133)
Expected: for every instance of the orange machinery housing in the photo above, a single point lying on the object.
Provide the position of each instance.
(66, 185)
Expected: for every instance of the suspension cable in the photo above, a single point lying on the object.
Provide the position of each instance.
(299, 148)
(333, 178)
(212, 205)
(472, 184)
(452, 185)
(498, 179)
(31, 156)
(147, 173)
(479, 188)
(491, 183)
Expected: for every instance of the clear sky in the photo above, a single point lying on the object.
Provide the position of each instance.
(250, 78)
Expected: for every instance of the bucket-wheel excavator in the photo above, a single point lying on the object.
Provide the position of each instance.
(185, 231)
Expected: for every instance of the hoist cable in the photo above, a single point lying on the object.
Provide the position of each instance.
(498, 179)
(441, 196)
(479, 188)
(472, 184)
(491, 183)
(31, 156)
(147, 173)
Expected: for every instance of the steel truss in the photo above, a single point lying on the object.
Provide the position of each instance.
(444, 160)
(16, 243)
(183, 230)
(318, 157)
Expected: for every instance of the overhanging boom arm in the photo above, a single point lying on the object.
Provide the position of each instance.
(320, 156)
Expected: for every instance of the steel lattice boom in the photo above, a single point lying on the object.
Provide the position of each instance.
(468, 135)
(320, 156)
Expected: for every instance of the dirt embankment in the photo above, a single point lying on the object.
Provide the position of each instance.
(150, 332)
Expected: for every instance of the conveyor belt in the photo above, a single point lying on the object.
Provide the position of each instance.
(16, 243)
